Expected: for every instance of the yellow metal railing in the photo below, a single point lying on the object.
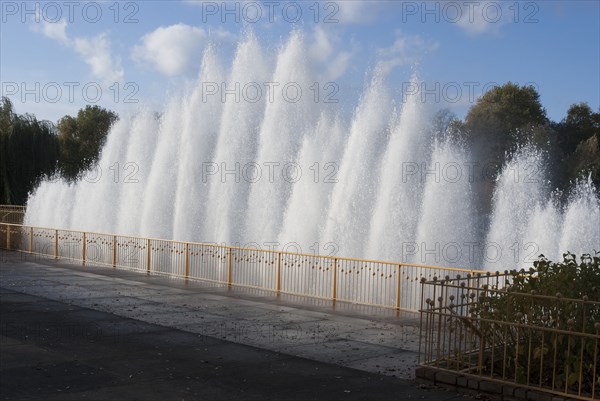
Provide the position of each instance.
(12, 214)
(474, 327)
(369, 282)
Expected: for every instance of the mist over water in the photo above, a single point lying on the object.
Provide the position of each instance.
(294, 173)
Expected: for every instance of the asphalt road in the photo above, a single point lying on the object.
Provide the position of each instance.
(54, 349)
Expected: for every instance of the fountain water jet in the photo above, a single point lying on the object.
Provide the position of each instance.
(200, 133)
(353, 197)
(447, 223)
(287, 118)
(140, 151)
(236, 147)
(581, 231)
(400, 191)
(188, 182)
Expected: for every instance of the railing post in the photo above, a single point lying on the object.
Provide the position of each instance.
(30, 239)
(229, 266)
(148, 255)
(440, 320)
(83, 250)
(278, 284)
(334, 284)
(8, 237)
(55, 244)
(114, 255)
(421, 329)
(187, 260)
(398, 287)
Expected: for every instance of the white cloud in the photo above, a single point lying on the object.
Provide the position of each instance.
(172, 50)
(324, 50)
(95, 51)
(321, 48)
(405, 50)
(55, 31)
(221, 35)
(484, 17)
(338, 66)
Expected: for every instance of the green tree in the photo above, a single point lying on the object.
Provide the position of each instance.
(502, 118)
(81, 138)
(583, 161)
(580, 124)
(443, 123)
(578, 137)
(28, 151)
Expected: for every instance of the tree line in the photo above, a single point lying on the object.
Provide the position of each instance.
(31, 149)
(502, 119)
(510, 116)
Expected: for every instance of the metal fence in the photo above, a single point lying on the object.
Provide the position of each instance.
(12, 214)
(475, 326)
(368, 282)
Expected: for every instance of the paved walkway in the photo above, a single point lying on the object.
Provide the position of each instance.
(74, 332)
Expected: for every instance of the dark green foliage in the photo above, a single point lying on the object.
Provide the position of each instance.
(493, 123)
(580, 124)
(505, 108)
(28, 151)
(509, 116)
(545, 310)
(31, 149)
(81, 138)
(502, 119)
(578, 137)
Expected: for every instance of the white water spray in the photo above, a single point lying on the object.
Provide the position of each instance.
(191, 174)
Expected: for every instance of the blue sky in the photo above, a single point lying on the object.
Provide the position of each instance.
(125, 54)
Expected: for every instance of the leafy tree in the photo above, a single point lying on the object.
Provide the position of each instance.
(28, 150)
(504, 117)
(495, 124)
(580, 124)
(443, 124)
(81, 138)
(577, 136)
(585, 160)
(31, 149)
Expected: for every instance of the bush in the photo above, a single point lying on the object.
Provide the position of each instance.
(551, 318)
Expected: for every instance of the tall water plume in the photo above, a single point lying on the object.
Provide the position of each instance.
(202, 119)
(581, 231)
(543, 233)
(101, 185)
(236, 147)
(140, 147)
(290, 115)
(398, 200)
(446, 225)
(212, 168)
(519, 187)
(158, 213)
(354, 195)
(319, 152)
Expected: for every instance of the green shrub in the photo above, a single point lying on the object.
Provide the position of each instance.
(541, 311)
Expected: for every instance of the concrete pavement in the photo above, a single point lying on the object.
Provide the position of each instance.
(74, 332)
